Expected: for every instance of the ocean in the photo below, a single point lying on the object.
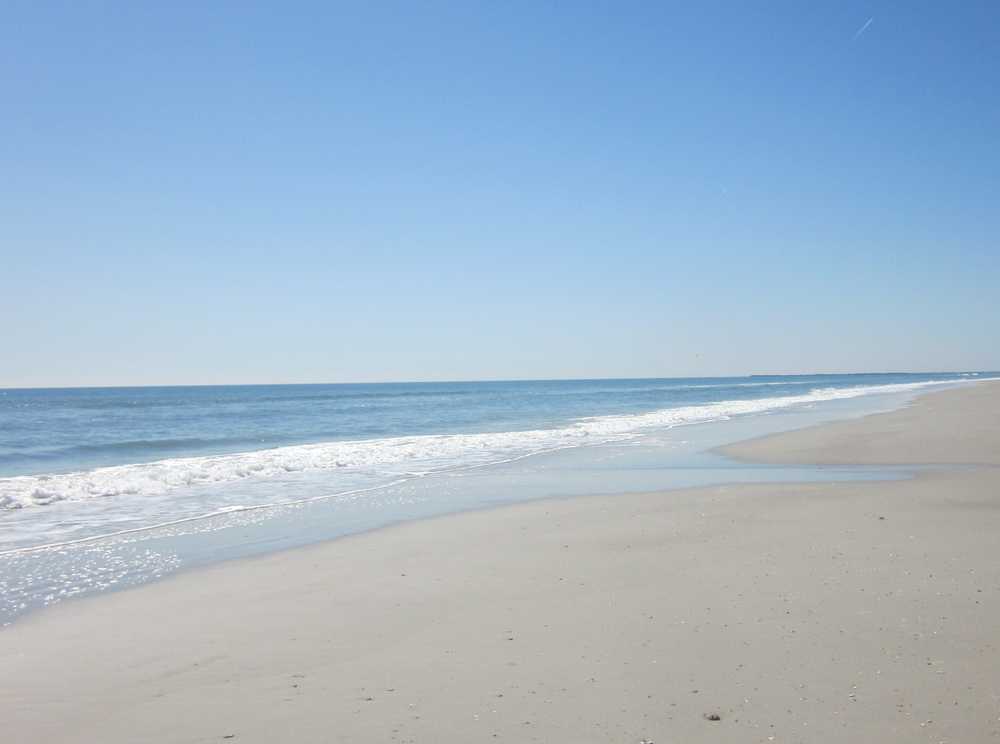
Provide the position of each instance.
(106, 487)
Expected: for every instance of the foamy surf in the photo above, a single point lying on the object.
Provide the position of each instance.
(394, 457)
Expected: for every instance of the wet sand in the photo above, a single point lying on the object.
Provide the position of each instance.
(818, 612)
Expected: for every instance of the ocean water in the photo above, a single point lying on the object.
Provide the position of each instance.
(104, 487)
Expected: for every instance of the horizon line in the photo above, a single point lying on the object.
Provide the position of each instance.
(975, 373)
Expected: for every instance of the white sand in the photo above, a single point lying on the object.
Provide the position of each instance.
(858, 612)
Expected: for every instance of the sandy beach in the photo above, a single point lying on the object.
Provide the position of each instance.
(816, 612)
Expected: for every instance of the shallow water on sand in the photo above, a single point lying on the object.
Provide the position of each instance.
(657, 459)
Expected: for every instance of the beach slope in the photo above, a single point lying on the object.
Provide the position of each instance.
(816, 612)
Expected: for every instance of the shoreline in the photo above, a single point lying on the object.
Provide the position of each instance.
(798, 611)
(668, 459)
(149, 504)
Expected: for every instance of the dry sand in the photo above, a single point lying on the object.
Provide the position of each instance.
(819, 612)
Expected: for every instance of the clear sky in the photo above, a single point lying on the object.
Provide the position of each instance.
(251, 192)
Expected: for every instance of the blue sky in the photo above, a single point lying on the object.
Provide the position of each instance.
(247, 192)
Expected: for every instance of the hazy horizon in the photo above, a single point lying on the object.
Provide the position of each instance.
(970, 373)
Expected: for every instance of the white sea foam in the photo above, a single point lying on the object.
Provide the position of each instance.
(398, 456)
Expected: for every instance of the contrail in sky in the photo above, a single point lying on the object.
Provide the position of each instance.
(862, 29)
